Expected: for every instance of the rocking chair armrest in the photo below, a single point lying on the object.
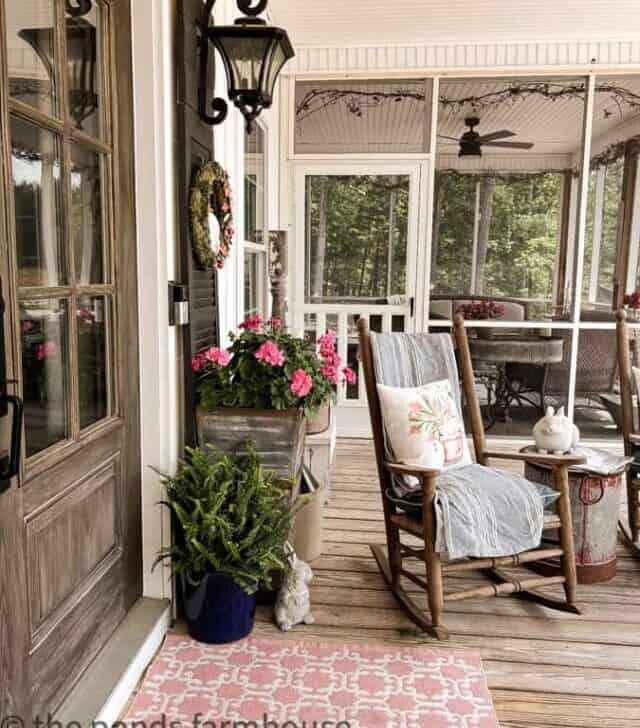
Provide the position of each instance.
(415, 470)
(634, 438)
(536, 457)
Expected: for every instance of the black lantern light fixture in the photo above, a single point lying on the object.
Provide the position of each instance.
(81, 58)
(253, 54)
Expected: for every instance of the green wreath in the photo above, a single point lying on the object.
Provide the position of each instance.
(211, 192)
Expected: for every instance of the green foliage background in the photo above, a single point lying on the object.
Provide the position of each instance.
(358, 227)
(522, 239)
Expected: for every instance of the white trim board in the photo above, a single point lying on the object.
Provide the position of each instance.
(459, 57)
(160, 348)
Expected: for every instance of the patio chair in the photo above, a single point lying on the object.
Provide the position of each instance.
(629, 432)
(414, 360)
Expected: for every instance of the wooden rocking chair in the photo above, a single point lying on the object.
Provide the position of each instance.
(397, 522)
(631, 437)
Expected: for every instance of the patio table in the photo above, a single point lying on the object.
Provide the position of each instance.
(513, 367)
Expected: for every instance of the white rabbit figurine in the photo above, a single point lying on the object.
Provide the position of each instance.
(293, 605)
(555, 433)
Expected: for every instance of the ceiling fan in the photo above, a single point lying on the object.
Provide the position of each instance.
(471, 142)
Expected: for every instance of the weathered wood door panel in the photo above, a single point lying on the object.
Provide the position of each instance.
(70, 557)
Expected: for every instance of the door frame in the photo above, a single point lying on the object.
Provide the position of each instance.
(15, 638)
(353, 413)
(417, 171)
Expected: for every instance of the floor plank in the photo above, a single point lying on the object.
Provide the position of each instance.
(544, 668)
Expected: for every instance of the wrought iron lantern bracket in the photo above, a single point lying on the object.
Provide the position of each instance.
(250, 101)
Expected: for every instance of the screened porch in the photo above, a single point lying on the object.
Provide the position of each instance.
(515, 198)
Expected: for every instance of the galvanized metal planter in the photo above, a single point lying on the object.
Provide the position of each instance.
(278, 435)
(321, 421)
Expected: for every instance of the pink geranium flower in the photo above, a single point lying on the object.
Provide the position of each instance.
(349, 375)
(332, 358)
(253, 323)
(330, 372)
(197, 363)
(270, 354)
(301, 383)
(217, 356)
(47, 350)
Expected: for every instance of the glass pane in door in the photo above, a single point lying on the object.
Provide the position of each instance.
(35, 165)
(43, 325)
(84, 51)
(356, 238)
(87, 202)
(31, 52)
(92, 317)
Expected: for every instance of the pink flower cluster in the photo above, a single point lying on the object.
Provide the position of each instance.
(47, 350)
(216, 356)
(301, 383)
(270, 354)
(331, 360)
(482, 310)
(253, 324)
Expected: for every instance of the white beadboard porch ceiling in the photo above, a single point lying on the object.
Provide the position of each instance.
(554, 127)
(393, 22)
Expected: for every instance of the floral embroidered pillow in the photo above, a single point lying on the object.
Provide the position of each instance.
(423, 426)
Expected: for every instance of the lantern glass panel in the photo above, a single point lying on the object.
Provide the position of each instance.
(243, 57)
(84, 61)
(274, 64)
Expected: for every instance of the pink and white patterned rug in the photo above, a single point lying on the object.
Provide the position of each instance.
(259, 683)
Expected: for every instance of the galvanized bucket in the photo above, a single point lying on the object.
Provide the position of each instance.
(595, 504)
(278, 436)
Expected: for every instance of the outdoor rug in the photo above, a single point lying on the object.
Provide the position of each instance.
(259, 683)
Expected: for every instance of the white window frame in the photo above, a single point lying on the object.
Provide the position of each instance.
(249, 247)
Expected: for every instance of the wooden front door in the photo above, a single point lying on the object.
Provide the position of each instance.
(70, 556)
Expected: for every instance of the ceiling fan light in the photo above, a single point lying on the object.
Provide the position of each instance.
(470, 149)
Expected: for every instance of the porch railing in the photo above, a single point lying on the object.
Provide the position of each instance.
(317, 319)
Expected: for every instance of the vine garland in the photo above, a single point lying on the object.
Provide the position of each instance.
(211, 193)
(358, 100)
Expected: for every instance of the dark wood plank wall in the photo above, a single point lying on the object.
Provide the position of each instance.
(193, 145)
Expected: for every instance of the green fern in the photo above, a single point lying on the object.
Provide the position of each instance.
(233, 518)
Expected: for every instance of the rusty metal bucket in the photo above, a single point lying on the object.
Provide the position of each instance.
(595, 505)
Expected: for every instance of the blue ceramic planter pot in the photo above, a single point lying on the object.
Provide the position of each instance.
(219, 611)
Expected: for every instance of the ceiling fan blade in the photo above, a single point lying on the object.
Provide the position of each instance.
(509, 145)
(444, 136)
(495, 135)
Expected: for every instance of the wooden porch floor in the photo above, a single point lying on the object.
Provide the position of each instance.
(545, 668)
